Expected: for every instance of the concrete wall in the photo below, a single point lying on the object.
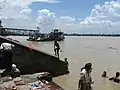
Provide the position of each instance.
(34, 61)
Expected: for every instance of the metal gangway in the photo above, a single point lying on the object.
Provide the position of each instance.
(18, 32)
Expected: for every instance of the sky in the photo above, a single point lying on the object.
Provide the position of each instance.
(71, 16)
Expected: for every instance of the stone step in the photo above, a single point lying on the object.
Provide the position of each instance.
(19, 84)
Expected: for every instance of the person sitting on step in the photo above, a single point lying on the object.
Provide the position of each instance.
(15, 72)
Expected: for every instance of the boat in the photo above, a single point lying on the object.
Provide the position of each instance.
(56, 34)
(33, 38)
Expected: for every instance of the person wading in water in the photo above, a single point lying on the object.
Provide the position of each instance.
(6, 62)
(116, 78)
(56, 48)
(85, 80)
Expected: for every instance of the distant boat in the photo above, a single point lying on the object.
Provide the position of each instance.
(56, 34)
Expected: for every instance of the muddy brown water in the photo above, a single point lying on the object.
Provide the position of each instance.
(103, 52)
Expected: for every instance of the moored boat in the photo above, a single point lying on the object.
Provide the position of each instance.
(56, 34)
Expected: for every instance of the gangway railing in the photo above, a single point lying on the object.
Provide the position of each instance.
(18, 31)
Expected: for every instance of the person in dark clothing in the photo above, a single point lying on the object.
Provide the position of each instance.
(116, 78)
(104, 74)
(56, 48)
(6, 62)
(66, 62)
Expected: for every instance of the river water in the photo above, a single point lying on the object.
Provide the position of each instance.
(102, 52)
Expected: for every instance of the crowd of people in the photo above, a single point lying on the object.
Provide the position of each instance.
(86, 81)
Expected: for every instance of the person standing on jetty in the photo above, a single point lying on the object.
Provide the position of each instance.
(6, 62)
(85, 80)
(56, 48)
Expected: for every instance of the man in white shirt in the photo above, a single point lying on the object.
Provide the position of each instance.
(6, 46)
(6, 63)
(85, 78)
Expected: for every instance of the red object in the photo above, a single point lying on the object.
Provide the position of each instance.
(30, 47)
